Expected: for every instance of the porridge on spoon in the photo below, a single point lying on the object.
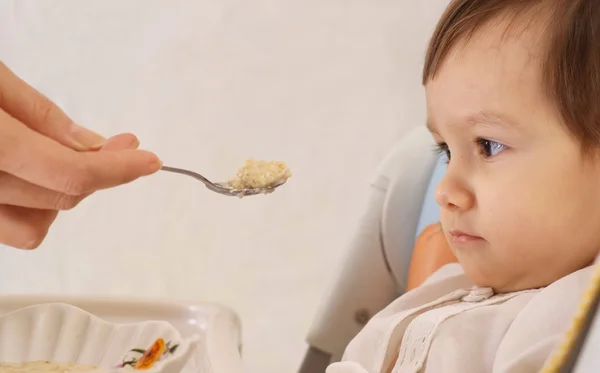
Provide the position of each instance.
(260, 175)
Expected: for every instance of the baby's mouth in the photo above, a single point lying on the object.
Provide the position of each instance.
(458, 236)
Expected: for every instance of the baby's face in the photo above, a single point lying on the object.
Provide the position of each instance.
(520, 204)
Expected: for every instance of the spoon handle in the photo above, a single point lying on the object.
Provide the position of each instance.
(193, 174)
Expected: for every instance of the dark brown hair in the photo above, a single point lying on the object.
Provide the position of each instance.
(570, 61)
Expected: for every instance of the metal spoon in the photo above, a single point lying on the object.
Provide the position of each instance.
(223, 188)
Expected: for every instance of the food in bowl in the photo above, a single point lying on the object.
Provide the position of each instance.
(45, 366)
(143, 360)
(257, 174)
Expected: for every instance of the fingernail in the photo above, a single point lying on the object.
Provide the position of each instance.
(155, 165)
(87, 139)
(135, 142)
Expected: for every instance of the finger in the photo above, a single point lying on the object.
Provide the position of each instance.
(41, 161)
(121, 142)
(24, 228)
(18, 192)
(118, 142)
(35, 110)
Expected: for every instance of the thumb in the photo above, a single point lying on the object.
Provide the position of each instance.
(30, 107)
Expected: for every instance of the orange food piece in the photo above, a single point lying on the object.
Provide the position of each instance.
(152, 355)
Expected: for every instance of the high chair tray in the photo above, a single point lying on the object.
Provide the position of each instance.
(218, 326)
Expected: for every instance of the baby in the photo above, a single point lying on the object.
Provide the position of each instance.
(513, 100)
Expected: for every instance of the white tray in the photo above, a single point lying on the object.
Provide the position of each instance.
(219, 326)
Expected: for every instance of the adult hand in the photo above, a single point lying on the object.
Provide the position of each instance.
(48, 163)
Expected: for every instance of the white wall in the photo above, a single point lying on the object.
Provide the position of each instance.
(325, 85)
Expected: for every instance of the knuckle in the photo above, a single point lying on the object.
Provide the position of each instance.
(65, 202)
(32, 245)
(25, 228)
(32, 237)
(76, 181)
(43, 108)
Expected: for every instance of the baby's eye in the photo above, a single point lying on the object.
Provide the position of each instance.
(442, 148)
(490, 148)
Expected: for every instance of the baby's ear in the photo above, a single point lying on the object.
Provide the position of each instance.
(430, 253)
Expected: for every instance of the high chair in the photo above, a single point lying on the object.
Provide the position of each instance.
(375, 271)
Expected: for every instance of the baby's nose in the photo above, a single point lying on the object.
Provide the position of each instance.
(452, 194)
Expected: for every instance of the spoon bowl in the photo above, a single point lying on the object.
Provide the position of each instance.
(223, 187)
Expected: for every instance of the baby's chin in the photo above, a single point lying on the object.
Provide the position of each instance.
(495, 278)
(505, 280)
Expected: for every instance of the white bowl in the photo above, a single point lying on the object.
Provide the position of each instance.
(64, 333)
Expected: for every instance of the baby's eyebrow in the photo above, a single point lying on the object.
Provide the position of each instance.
(489, 118)
(482, 118)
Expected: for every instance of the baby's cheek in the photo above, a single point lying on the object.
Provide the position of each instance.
(531, 232)
(504, 213)
(513, 223)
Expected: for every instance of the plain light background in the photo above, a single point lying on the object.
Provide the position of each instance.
(327, 86)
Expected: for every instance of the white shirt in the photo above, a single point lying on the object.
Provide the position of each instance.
(448, 326)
